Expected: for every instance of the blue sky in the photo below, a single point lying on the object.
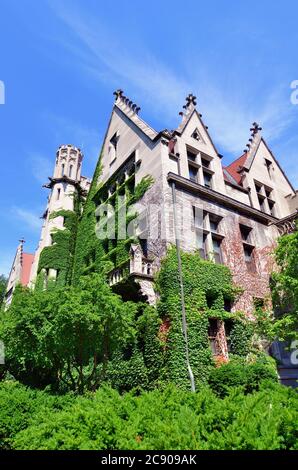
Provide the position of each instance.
(61, 60)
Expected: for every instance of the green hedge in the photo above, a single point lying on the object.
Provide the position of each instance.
(160, 419)
(248, 376)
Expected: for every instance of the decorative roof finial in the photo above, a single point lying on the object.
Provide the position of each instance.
(22, 241)
(119, 96)
(255, 129)
(190, 100)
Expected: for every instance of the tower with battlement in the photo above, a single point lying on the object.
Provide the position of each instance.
(65, 186)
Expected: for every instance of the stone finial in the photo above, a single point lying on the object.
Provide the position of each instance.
(22, 241)
(121, 98)
(252, 141)
(190, 100)
(118, 94)
(255, 129)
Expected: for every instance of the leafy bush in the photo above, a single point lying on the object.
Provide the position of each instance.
(239, 373)
(160, 419)
(18, 406)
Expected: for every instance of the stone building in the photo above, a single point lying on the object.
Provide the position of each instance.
(20, 271)
(230, 214)
(64, 185)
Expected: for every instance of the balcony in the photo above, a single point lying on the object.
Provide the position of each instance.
(137, 266)
(133, 279)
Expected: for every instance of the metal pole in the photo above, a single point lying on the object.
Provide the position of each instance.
(184, 323)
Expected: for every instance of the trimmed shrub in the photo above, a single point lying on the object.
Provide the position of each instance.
(248, 376)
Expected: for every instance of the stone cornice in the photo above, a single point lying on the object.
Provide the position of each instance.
(65, 179)
(220, 198)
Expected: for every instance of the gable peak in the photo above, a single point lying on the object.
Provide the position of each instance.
(254, 139)
(125, 102)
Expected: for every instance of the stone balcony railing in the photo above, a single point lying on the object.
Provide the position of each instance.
(137, 265)
(287, 225)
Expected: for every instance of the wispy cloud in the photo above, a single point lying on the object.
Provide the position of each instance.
(41, 167)
(229, 108)
(30, 220)
(66, 130)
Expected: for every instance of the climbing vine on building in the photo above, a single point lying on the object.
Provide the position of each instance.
(59, 256)
(208, 289)
(95, 253)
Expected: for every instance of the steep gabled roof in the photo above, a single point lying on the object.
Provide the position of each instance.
(235, 168)
(131, 110)
(27, 261)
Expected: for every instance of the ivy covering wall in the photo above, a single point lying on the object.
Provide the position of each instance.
(208, 288)
(92, 253)
(59, 256)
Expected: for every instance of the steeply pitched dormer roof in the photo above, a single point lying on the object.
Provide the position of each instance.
(236, 167)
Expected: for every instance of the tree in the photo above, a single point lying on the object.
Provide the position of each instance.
(285, 288)
(3, 283)
(66, 336)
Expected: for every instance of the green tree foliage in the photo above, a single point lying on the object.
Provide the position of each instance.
(3, 283)
(66, 336)
(285, 288)
(168, 419)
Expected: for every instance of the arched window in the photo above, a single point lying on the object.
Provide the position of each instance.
(62, 169)
(58, 194)
(70, 170)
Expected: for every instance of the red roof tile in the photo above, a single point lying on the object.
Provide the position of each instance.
(26, 268)
(235, 166)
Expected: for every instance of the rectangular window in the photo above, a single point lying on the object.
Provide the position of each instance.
(245, 233)
(217, 250)
(199, 217)
(258, 188)
(261, 203)
(207, 179)
(212, 334)
(214, 223)
(144, 246)
(205, 162)
(193, 173)
(228, 329)
(271, 205)
(191, 155)
(201, 243)
(249, 258)
(268, 164)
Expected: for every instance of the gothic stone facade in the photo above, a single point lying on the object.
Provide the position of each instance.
(230, 214)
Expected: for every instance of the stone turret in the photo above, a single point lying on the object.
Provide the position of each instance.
(65, 184)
